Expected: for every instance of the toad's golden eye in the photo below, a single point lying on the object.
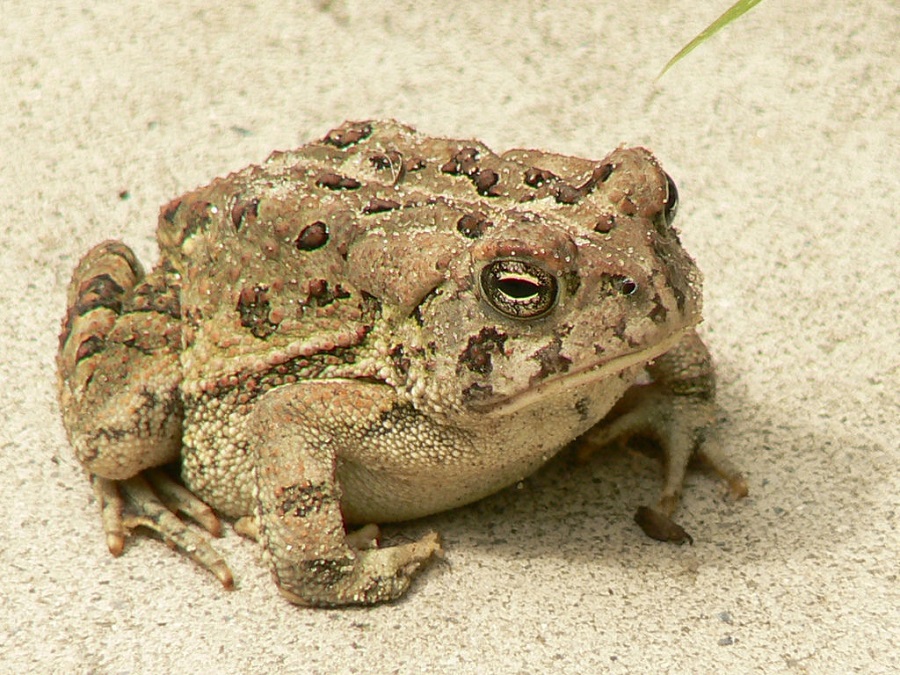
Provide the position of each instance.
(518, 289)
(671, 200)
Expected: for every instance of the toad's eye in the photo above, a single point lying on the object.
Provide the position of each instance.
(518, 289)
(671, 200)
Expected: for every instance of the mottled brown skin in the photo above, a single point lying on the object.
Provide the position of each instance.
(375, 327)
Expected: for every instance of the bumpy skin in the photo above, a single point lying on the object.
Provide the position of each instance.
(375, 327)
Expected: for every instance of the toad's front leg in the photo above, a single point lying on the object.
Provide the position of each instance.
(678, 410)
(298, 433)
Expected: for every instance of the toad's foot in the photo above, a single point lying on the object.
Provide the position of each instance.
(366, 577)
(150, 500)
(685, 428)
(678, 411)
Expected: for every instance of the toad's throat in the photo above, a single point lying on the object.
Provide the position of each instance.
(574, 379)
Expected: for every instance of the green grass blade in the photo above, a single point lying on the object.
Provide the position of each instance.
(737, 9)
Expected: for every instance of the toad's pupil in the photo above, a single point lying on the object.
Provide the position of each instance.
(518, 289)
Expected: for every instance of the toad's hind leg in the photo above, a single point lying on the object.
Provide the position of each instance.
(119, 374)
(118, 365)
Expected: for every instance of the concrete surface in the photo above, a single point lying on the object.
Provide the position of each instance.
(783, 137)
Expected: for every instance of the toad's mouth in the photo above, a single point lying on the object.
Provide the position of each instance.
(574, 380)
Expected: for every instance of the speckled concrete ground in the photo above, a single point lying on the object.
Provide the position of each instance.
(782, 134)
